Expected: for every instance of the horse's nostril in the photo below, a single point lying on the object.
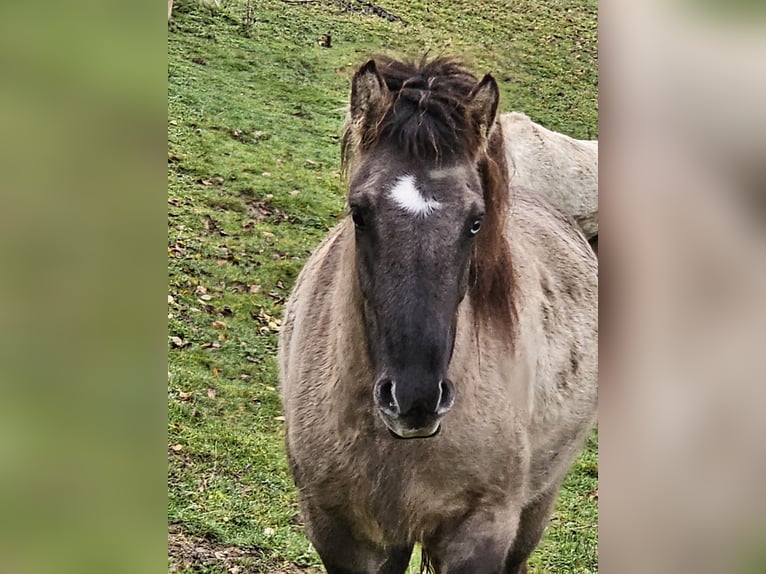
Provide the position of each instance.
(384, 396)
(446, 396)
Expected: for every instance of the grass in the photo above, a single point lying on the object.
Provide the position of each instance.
(255, 106)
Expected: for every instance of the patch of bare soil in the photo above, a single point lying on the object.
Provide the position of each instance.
(199, 554)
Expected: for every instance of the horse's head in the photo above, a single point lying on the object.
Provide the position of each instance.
(415, 147)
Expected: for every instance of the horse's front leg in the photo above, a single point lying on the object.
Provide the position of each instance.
(343, 551)
(477, 544)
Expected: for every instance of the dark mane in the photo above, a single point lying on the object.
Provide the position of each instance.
(492, 277)
(427, 117)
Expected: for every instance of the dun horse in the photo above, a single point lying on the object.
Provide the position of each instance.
(564, 170)
(438, 356)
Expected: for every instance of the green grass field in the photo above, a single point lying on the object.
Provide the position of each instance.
(255, 107)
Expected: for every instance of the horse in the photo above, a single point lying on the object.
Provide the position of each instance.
(561, 168)
(438, 352)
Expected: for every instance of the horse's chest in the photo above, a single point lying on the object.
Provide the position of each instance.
(408, 488)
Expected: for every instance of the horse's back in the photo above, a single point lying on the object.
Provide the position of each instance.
(562, 169)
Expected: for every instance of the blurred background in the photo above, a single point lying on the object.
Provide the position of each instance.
(682, 286)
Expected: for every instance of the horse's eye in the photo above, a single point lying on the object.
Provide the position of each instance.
(356, 215)
(475, 226)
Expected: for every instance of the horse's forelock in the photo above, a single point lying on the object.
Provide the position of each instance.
(427, 117)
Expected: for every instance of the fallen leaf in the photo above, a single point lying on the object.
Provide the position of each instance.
(215, 371)
(185, 396)
(200, 290)
(269, 532)
(205, 297)
(279, 418)
(178, 341)
(219, 325)
(171, 300)
(253, 289)
(177, 447)
(211, 392)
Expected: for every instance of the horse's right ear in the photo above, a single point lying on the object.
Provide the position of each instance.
(482, 105)
(369, 93)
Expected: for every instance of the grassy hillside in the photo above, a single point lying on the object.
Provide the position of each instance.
(255, 105)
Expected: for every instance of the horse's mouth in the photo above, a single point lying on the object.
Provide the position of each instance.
(405, 434)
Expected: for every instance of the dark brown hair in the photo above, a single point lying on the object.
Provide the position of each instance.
(491, 275)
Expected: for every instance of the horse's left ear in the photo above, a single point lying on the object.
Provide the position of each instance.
(482, 105)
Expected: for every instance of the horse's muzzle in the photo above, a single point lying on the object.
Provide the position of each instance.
(407, 418)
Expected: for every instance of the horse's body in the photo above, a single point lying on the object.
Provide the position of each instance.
(477, 491)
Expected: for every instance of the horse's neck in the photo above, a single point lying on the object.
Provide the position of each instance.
(347, 326)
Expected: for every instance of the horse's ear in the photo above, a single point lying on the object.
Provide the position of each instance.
(482, 105)
(369, 94)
